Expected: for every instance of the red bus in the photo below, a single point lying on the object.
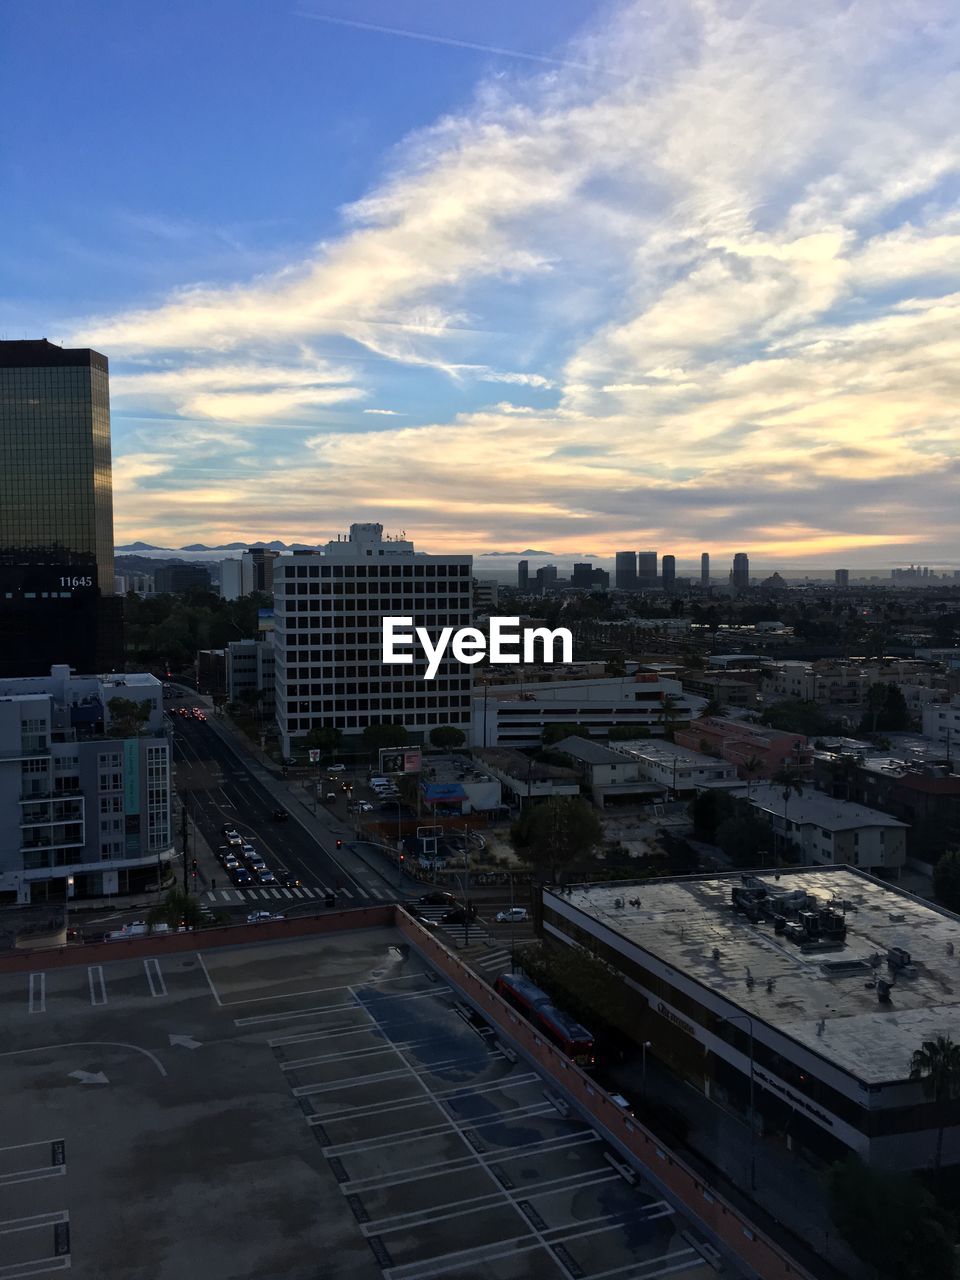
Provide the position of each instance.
(536, 1006)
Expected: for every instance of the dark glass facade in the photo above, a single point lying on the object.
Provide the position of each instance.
(56, 512)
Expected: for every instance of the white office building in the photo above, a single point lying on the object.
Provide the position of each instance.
(941, 721)
(84, 806)
(329, 607)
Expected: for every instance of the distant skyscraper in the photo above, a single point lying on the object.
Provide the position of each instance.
(646, 568)
(57, 603)
(741, 571)
(841, 577)
(546, 579)
(583, 575)
(669, 572)
(625, 572)
(705, 569)
(523, 575)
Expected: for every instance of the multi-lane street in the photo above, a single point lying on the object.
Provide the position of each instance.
(219, 785)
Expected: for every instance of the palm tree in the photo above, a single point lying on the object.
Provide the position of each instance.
(751, 767)
(668, 718)
(789, 778)
(936, 1064)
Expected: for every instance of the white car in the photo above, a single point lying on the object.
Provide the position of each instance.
(336, 768)
(514, 914)
(262, 917)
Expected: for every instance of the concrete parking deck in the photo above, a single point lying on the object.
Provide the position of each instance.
(311, 1107)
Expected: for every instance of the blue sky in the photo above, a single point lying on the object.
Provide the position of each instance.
(680, 274)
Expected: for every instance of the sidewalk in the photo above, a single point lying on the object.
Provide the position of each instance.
(789, 1203)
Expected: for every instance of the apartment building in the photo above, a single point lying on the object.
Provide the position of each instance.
(830, 831)
(84, 796)
(743, 743)
(329, 607)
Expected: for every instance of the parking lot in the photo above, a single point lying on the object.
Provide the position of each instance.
(316, 1107)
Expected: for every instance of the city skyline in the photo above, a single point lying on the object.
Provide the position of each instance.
(546, 281)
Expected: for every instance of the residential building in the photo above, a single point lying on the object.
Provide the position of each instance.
(646, 570)
(513, 715)
(524, 779)
(705, 569)
(668, 568)
(612, 776)
(329, 607)
(84, 806)
(171, 579)
(740, 574)
(941, 722)
(678, 769)
(741, 742)
(800, 995)
(726, 689)
(625, 571)
(829, 831)
(141, 584)
(57, 588)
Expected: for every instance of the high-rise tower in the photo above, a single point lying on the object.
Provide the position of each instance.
(668, 566)
(57, 602)
(705, 569)
(741, 571)
(625, 571)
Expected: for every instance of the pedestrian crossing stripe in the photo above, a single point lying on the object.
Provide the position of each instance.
(245, 895)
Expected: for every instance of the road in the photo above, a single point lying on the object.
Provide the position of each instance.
(218, 786)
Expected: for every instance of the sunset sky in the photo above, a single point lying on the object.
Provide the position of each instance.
(678, 273)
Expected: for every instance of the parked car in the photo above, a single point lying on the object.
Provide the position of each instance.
(336, 768)
(439, 898)
(511, 915)
(279, 815)
(261, 917)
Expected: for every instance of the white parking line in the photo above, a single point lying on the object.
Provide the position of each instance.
(38, 993)
(154, 977)
(98, 988)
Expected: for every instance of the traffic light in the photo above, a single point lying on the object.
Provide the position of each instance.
(339, 844)
(194, 868)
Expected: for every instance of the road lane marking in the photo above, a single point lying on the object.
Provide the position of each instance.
(154, 978)
(213, 989)
(38, 993)
(98, 988)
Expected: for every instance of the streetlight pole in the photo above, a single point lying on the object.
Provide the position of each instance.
(647, 1044)
(745, 1017)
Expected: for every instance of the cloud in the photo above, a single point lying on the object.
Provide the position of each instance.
(725, 242)
(386, 413)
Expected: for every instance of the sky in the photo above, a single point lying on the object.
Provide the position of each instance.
(681, 274)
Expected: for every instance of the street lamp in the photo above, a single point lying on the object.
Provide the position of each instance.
(647, 1044)
(745, 1017)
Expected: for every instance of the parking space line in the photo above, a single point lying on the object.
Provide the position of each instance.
(213, 989)
(154, 977)
(53, 1151)
(378, 1108)
(31, 1223)
(37, 1002)
(17, 1270)
(328, 1033)
(401, 1136)
(348, 1054)
(640, 1270)
(295, 995)
(98, 988)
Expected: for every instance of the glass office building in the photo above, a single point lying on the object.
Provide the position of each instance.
(56, 512)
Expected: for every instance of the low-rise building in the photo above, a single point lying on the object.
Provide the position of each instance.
(84, 787)
(611, 774)
(524, 779)
(678, 769)
(800, 995)
(516, 716)
(249, 668)
(941, 721)
(831, 831)
(756, 750)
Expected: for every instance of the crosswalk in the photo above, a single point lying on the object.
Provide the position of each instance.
(227, 897)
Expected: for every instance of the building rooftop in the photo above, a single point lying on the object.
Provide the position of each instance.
(589, 752)
(684, 921)
(516, 765)
(820, 809)
(660, 749)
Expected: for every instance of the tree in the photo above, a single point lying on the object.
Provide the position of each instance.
(751, 767)
(744, 838)
(555, 833)
(127, 717)
(796, 716)
(625, 732)
(886, 711)
(323, 738)
(177, 908)
(708, 810)
(946, 880)
(789, 779)
(936, 1064)
(447, 737)
(891, 1222)
(714, 707)
(377, 736)
(668, 714)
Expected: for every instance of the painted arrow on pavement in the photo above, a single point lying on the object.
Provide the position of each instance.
(188, 1042)
(89, 1077)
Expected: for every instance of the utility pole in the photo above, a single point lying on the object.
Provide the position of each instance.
(466, 887)
(183, 840)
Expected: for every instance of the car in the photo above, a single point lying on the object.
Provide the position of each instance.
(336, 768)
(439, 898)
(228, 830)
(279, 815)
(425, 922)
(261, 917)
(256, 864)
(247, 848)
(241, 877)
(459, 915)
(511, 915)
(231, 862)
(286, 878)
(364, 806)
(331, 797)
(265, 876)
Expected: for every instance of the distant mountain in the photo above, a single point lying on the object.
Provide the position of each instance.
(133, 547)
(514, 554)
(276, 545)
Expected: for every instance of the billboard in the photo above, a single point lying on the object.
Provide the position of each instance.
(400, 759)
(314, 755)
